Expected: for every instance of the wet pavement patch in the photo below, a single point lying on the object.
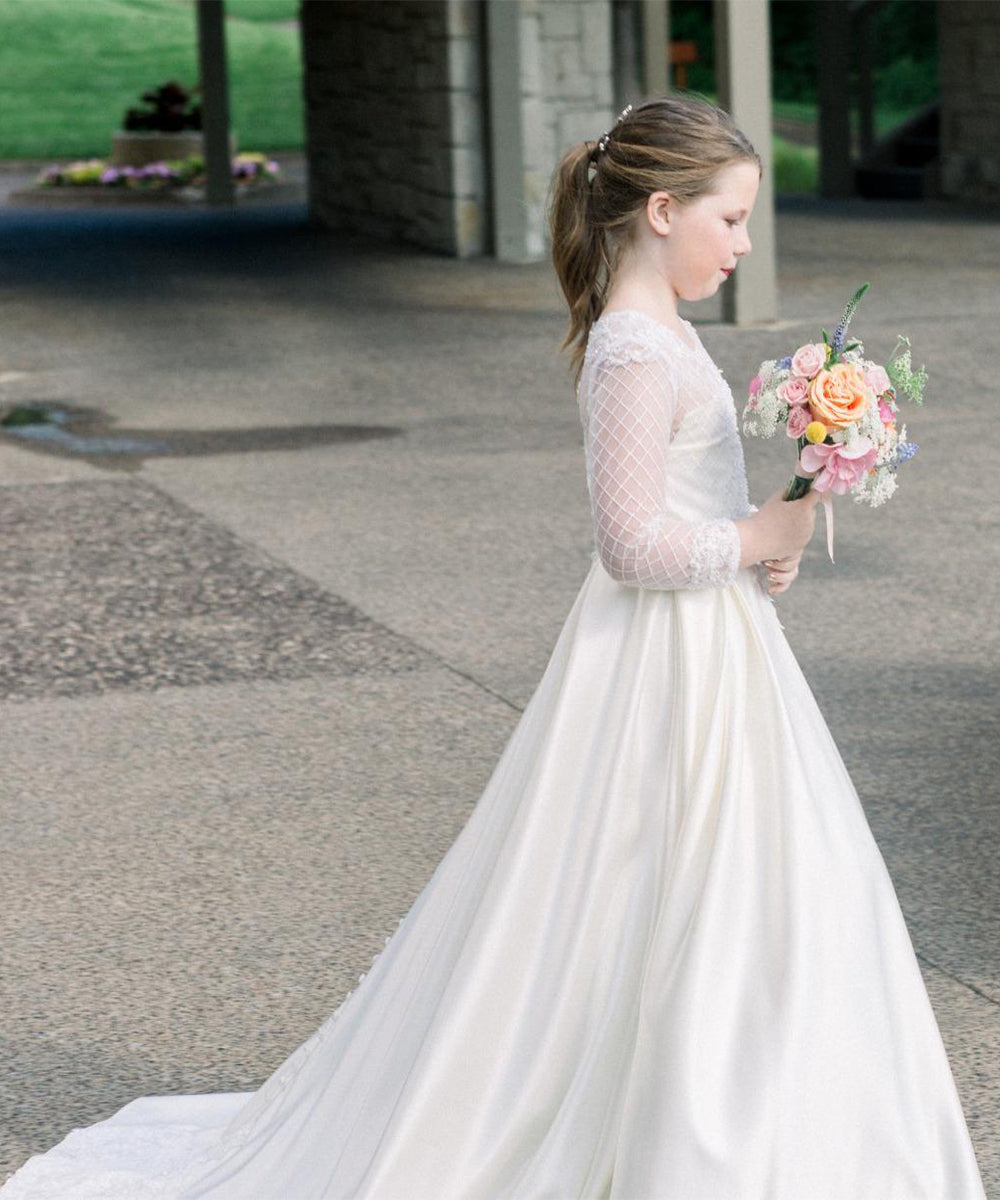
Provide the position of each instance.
(69, 431)
(111, 584)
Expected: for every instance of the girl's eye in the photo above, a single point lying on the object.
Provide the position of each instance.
(732, 221)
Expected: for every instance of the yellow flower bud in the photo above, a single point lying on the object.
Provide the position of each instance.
(815, 432)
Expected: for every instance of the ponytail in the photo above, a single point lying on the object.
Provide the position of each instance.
(579, 249)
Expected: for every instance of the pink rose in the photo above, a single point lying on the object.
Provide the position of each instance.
(839, 468)
(794, 390)
(808, 359)
(877, 379)
(755, 385)
(798, 418)
(885, 412)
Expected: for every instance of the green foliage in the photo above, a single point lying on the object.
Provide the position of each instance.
(904, 379)
(904, 34)
(68, 71)
(906, 83)
(793, 57)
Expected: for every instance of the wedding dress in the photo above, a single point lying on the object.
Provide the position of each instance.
(663, 960)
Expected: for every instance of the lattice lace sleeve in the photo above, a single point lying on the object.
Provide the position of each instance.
(631, 408)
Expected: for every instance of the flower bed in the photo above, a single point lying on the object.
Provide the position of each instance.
(249, 170)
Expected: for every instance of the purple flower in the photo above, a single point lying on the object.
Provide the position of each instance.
(785, 362)
(905, 451)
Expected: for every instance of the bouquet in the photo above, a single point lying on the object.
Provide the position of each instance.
(842, 410)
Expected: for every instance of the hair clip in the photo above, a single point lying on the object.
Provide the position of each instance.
(602, 144)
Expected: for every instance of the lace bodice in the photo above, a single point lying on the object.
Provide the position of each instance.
(665, 468)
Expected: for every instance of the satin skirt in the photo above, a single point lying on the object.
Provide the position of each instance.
(663, 960)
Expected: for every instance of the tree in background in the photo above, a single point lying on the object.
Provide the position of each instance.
(905, 33)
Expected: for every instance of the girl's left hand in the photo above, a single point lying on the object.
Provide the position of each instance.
(781, 572)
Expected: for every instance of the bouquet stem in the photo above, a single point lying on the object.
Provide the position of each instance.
(798, 485)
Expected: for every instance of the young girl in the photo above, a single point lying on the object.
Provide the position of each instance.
(663, 960)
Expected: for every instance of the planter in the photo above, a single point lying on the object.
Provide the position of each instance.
(137, 148)
(95, 197)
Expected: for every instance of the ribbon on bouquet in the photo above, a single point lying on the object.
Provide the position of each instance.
(827, 501)
(824, 498)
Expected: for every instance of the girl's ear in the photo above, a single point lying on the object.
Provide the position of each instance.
(659, 210)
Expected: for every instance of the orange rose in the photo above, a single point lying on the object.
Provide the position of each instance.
(839, 395)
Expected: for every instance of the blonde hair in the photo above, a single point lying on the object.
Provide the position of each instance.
(676, 143)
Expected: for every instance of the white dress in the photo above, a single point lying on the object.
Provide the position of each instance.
(663, 960)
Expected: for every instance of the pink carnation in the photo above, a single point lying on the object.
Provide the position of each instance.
(838, 467)
(809, 359)
(877, 379)
(885, 412)
(794, 390)
(798, 418)
(755, 385)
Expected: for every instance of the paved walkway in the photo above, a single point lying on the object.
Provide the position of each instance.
(253, 682)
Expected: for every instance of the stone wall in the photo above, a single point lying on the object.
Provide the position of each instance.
(969, 67)
(394, 120)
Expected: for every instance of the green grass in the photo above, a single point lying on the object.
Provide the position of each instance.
(796, 168)
(263, 10)
(69, 70)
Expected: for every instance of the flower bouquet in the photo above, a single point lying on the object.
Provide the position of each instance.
(841, 408)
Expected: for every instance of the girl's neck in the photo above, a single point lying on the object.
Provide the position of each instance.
(633, 294)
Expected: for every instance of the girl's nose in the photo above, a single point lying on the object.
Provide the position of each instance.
(746, 246)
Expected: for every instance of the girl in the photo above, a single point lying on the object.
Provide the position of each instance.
(663, 960)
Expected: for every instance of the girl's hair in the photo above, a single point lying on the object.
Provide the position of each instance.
(678, 144)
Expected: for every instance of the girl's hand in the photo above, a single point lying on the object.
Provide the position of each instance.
(779, 530)
(781, 572)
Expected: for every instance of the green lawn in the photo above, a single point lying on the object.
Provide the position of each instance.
(70, 68)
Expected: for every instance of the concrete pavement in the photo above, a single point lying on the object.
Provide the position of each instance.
(250, 696)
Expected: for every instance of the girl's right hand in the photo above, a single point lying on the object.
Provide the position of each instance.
(779, 529)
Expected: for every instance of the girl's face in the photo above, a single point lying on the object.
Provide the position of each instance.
(706, 237)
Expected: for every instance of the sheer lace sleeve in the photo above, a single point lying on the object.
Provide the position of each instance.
(631, 414)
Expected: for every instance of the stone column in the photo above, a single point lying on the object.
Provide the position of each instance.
(512, 47)
(656, 41)
(743, 77)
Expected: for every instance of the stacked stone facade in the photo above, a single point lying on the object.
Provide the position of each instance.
(397, 113)
(969, 66)
(566, 84)
(394, 120)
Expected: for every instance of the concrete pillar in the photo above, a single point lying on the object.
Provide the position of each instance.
(743, 79)
(627, 51)
(219, 187)
(834, 60)
(507, 141)
(655, 44)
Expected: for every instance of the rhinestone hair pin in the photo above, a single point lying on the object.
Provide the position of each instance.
(602, 144)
